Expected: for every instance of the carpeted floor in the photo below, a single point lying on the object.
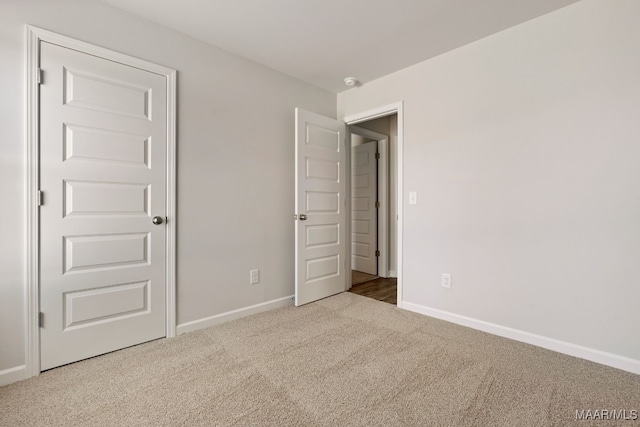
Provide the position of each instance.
(343, 361)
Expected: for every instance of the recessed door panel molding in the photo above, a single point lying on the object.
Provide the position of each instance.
(320, 207)
(105, 304)
(361, 158)
(91, 253)
(105, 198)
(322, 169)
(100, 92)
(322, 202)
(323, 138)
(322, 268)
(361, 204)
(86, 143)
(360, 250)
(361, 226)
(360, 181)
(322, 235)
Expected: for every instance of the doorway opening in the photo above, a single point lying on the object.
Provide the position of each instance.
(374, 201)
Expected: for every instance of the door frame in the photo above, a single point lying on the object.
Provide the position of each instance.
(382, 178)
(353, 119)
(34, 36)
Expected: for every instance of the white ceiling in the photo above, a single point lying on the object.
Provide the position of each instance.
(324, 41)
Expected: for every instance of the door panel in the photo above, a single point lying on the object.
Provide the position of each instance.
(87, 90)
(320, 235)
(82, 143)
(320, 244)
(103, 136)
(105, 251)
(100, 198)
(364, 194)
(102, 304)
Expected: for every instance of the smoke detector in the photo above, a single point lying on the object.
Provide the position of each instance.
(350, 81)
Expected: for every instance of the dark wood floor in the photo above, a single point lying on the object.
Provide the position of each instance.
(358, 277)
(381, 289)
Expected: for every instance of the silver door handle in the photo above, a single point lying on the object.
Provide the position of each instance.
(302, 217)
(157, 220)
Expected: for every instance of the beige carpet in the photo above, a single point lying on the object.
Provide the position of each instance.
(343, 361)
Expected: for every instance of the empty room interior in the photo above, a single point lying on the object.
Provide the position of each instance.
(319, 213)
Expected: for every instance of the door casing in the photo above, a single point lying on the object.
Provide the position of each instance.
(387, 110)
(34, 37)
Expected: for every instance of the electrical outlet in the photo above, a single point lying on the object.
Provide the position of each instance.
(254, 277)
(446, 280)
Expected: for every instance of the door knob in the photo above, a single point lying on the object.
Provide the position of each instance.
(302, 217)
(157, 220)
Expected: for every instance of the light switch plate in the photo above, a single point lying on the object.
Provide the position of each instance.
(413, 198)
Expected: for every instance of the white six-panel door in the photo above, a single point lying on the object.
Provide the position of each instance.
(103, 136)
(320, 201)
(364, 194)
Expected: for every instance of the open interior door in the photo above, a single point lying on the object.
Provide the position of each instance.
(364, 207)
(320, 203)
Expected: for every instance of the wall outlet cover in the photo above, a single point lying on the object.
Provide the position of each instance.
(446, 280)
(254, 277)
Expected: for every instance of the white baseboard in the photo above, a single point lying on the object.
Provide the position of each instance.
(234, 314)
(598, 356)
(12, 375)
(392, 273)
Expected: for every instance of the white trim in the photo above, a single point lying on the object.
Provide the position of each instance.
(383, 195)
(32, 335)
(12, 375)
(34, 36)
(376, 113)
(387, 110)
(171, 301)
(347, 228)
(70, 43)
(234, 314)
(598, 356)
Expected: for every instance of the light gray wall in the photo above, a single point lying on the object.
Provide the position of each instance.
(380, 125)
(359, 140)
(235, 161)
(524, 148)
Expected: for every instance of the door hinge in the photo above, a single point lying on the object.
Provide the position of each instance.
(377, 204)
(41, 319)
(377, 253)
(40, 76)
(377, 155)
(40, 198)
